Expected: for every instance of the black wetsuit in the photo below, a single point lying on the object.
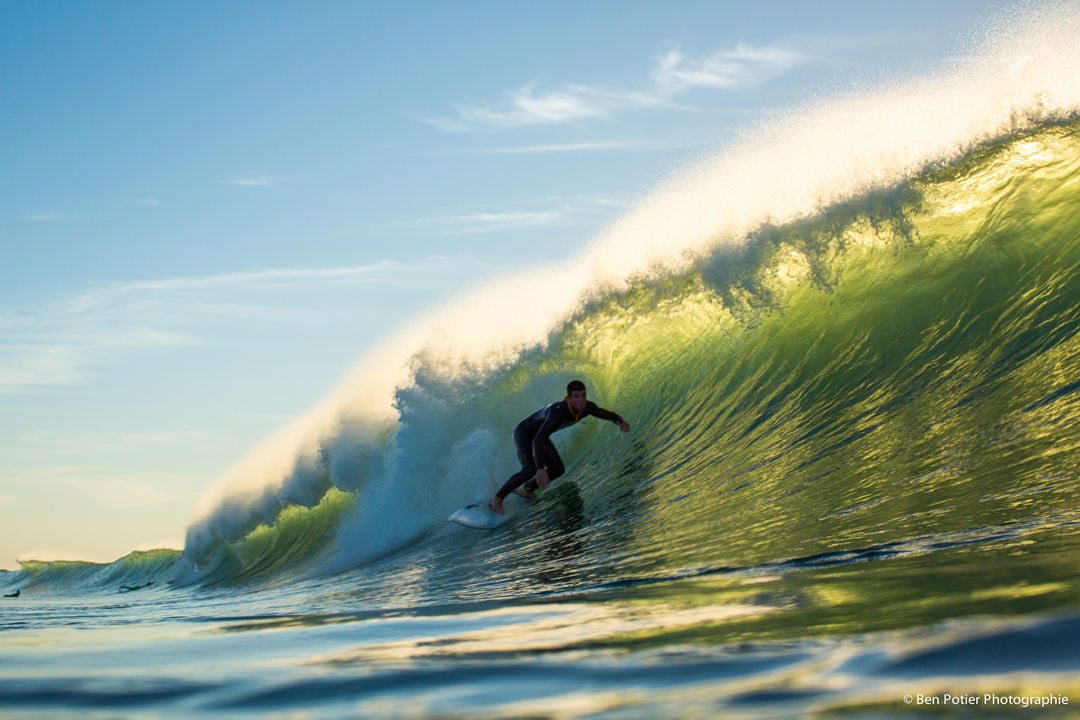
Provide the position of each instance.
(535, 450)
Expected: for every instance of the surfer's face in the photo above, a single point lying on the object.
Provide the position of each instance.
(576, 400)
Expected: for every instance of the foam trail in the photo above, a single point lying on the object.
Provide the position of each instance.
(415, 412)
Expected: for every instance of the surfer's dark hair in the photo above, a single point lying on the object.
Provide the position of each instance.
(575, 386)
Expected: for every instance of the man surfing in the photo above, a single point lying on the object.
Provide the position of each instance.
(540, 462)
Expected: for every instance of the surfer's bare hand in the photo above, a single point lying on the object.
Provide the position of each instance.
(542, 477)
(496, 505)
(625, 427)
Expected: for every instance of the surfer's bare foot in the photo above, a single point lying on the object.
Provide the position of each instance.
(496, 504)
(527, 494)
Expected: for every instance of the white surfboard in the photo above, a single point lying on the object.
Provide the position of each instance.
(479, 514)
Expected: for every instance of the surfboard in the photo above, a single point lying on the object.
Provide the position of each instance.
(480, 516)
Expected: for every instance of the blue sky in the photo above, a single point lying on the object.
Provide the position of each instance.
(209, 211)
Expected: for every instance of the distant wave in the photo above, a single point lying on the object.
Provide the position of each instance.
(74, 577)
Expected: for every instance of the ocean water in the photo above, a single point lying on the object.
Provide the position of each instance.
(849, 348)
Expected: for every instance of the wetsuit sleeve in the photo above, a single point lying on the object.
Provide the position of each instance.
(551, 424)
(603, 414)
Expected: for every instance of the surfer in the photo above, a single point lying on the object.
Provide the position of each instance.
(131, 588)
(17, 593)
(540, 462)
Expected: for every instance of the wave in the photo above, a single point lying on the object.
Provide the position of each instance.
(858, 323)
(75, 576)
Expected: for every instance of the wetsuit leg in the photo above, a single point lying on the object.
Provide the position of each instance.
(528, 467)
(552, 462)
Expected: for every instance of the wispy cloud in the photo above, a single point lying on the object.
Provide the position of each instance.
(98, 487)
(252, 181)
(489, 222)
(566, 147)
(134, 494)
(58, 343)
(735, 69)
(148, 202)
(385, 272)
(560, 211)
(102, 440)
(526, 106)
(55, 350)
(592, 146)
(673, 75)
(54, 217)
(26, 364)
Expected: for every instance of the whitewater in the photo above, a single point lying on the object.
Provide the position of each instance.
(849, 349)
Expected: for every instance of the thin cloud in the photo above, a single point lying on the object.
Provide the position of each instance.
(735, 69)
(674, 74)
(252, 181)
(133, 494)
(81, 441)
(489, 222)
(53, 217)
(567, 211)
(567, 147)
(94, 489)
(27, 364)
(527, 107)
(599, 145)
(57, 344)
(57, 350)
(273, 278)
(607, 201)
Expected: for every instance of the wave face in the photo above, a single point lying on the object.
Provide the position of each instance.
(855, 328)
(903, 365)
